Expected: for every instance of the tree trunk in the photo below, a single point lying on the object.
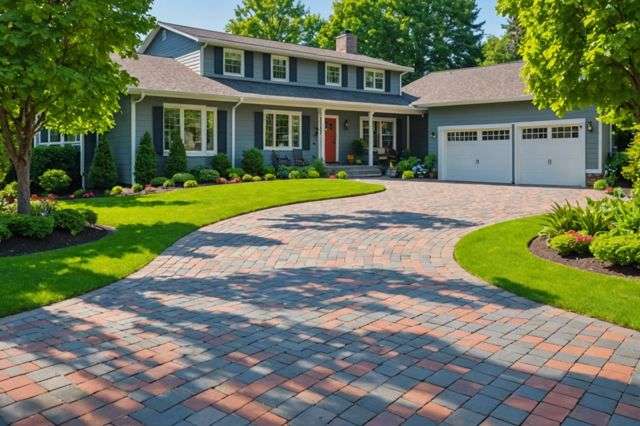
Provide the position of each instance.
(23, 173)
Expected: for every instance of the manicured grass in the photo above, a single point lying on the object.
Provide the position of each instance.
(499, 254)
(146, 225)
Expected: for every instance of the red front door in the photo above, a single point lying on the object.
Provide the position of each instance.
(330, 140)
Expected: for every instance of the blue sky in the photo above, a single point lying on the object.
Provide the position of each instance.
(214, 14)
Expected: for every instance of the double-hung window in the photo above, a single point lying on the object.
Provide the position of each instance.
(195, 125)
(233, 62)
(282, 130)
(279, 68)
(51, 137)
(383, 132)
(374, 79)
(333, 74)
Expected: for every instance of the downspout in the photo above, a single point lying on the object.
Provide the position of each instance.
(133, 136)
(233, 131)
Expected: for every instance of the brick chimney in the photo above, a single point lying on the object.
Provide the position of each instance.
(347, 43)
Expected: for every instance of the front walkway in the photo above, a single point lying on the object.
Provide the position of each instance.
(343, 311)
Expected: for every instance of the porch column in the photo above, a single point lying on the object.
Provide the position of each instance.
(321, 118)
(407, 143)
(371, 131)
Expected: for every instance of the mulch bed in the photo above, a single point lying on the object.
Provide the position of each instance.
(17, 246)
(539, 248)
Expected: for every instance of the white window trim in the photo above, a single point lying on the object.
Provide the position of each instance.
(224, 56)
(203, 126)
(378, 143)
(61, 142)
(384, 80)
(273, 130)
(326, 74)
(284, 58)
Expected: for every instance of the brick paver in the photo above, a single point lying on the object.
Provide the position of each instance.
(344, 312)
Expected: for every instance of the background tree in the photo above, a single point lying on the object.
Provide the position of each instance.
(428, 35)
(57, 70)
(505, 48)
(4, 163)
(581, 53)
(280, 20)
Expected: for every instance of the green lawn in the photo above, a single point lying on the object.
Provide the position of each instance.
(146, 226)
(499, 254)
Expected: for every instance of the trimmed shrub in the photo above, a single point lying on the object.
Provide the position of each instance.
(177, 159)
(116, 190)
(60, 157)
(168, 184)
(181, 178)
(620, 250)
(5, 232)
(313, 174)
(90, 216)
(103, 173)
(319, 167)
(269, 170)
(70, 220)
(269, 176)
(247, 178)
(408, 175)
(38, 227)
(221, 163)
(431, 162)
(256, 179)
(407, 164)
(600, 184)
(295, 174)
(78, 193)
(253, 161)
(190, 184)
(146, 164)
(137, 187)
(55, 181)
(208, 175)
(571, 242)
(342, 175)
(157, 182)
(235, 172)
(283, 172)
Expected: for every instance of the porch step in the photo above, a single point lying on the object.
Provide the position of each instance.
(356, 171)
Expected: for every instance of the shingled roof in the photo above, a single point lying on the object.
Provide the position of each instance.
(478, 85)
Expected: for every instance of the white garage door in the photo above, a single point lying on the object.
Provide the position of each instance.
(477, 155)
(550, 154)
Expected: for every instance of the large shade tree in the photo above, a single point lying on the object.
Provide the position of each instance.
(57, 70)
(504, 48)
(428, 35)
(288, 21)
(580, 53)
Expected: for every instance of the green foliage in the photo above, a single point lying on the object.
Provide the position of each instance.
(103, 173)
(269, 170)
(177, 159)
(288, 21)
(157, 182)
(593, 219)
(116, 190)
(574, 49)
(181, 178)
(10, 192)
(571, 243)
(619, 250)
(29, 226)
(431, 162)
(428, 35)
(168, 184)
(408, 175)
(269, 176)
(208, 175)
(247, 178)
(631, 171)
(256, 179)
(60, 157)
(146, 163)
(407, 164)
(342, 175)
(221, 163)
(295, 174)
(5, 232)
(319, 167)
(137, 187)
(191, 184)
(235, 172)
(561, 219)
(90, 216)
(501, 49)
(600, 184)
(613, 168)
(55, 181)
(357, 147)
(313, 174)
(70, 220)
(253, 161)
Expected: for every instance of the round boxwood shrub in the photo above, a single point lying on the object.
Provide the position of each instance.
(269, 176)
(570, 243)
(190, 184)
(61, 157)
(169, 183)
(295, 174)
(208, 175)
(137, 187)
(312, 174)
(70, 220)
(342, 175)
(55, 181)
(38, 227)
(221, 163)
(618, 249)
(253, 161)
(247, 178)
(600, 184)
(181, 178)
(257, 179)
(157, 182)
(117, 190)
(408, 175)
(90, 216)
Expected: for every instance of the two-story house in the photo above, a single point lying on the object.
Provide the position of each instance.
(228, 93)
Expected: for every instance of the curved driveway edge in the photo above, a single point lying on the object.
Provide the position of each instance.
(348, 311)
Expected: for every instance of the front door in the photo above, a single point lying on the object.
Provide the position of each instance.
(330, 139)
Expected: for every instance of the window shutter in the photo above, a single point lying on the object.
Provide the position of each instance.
(258, 119)
(293, 70)
(218, 60)
(387, 81)
(306, 132)
(266, 66)
(158, 129)
(401, 126)
(321, 71)
(345, 76)
(248, 64)
(360, 78)
(222, 131)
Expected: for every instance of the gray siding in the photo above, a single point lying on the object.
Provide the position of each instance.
(191, 60)
(120, 140)
(512, 112)
(173, 46)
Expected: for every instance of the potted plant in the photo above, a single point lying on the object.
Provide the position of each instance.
(351, 159)
(391, 171)
(357, 149)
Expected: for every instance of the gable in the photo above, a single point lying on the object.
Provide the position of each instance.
(172, 45)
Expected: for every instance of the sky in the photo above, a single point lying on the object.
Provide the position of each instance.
(214, 14)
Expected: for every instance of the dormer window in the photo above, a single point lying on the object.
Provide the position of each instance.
(280, 68)
(333, 74)
(233, 62)
(374, 80)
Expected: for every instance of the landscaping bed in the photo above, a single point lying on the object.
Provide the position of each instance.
(17, 246)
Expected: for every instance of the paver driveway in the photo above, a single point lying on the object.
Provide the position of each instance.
(344, 311)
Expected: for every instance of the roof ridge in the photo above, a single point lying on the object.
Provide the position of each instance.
(477, 67)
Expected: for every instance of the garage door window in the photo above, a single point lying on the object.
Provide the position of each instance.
(462, 136)
(534, 133)
(496, 135)
(565, 132)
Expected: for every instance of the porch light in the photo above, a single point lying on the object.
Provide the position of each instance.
(433, 135)
(347, 124)
(590, 126)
